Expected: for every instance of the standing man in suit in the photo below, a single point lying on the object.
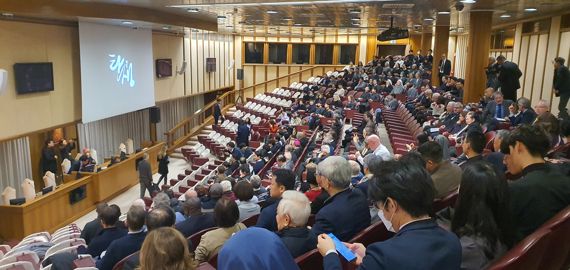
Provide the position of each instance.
(509, 74)
(217, 111)
(145, 176)
(126, 245)
(404, 195)
(49, 158)
(444, 68)
(562, 86)
(345, 213)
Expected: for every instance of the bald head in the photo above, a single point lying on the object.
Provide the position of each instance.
(373, 141)
(190, 194)
(138, 203)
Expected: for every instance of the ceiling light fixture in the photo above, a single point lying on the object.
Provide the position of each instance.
(127, 22)
(505, 16)
(7, 14)
(283, 3)
(530, 9)
(193, 10)
(355, 19)
(287, 19)
(271, 12)
(443, 13)
(297, 24)
(468, 1)
(354, 11)
(166, 27)
(428, 19)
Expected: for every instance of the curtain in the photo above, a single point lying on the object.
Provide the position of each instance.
(173, 112)
(15, 163)
(105, 135)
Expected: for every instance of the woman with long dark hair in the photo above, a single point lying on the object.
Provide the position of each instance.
(482, 217)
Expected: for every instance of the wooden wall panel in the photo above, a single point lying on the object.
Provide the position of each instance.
(460, 56)
(248, 80)
(528, 76)
(517, 43)
(523, 60)
(451, 52)
(271, 72)
(540, 65)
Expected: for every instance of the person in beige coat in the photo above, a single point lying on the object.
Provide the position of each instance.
(445, 176)
(226, 215)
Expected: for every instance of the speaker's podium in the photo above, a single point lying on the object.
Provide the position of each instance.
(73, 199)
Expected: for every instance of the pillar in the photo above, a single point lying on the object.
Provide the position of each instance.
(441, 42)
(415, 43)
(426, 40)
(478, 45)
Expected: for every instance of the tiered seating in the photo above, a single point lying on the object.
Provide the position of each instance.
(402, 128)
(22, 256)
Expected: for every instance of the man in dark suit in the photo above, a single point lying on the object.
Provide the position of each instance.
(93, 227)
(526, 115)
(126, 245)
(473, 146)
(157, 218)
(498, 108)
(49, 158)
(543, 190)
(404, 196)
(196, 220)
(562, 86)
(109, 217)
(145, 176)
(281, 181)
(509, 74)
(243, 131)
(444, 67)
(258, 161)
(217, 111)
(345, 213)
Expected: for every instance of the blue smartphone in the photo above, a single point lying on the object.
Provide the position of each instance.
(342, 249)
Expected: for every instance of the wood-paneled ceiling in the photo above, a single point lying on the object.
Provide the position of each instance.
(279, 17)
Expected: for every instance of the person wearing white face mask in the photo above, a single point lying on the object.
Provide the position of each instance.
(404, 194)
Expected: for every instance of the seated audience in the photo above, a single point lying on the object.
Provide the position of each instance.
(496, 158)
(548, 122)
(482, 218)
(404, 196)
(345, 213)
(281, 181)
(356, 174)
(255, 248)
(214, 194)
(226, 215)
(109, 218)
(472, 146)
(195, 219)
(445, 176)
(375, 147)
(227, 190)
(163, 200)
(259, 191)
(543, 190)
(92, 228)
(165, 249)
(562, 151)
(293, 213)
(496, 110)
(525, 115)
(126, 245)
(246, 204)
(258, 161)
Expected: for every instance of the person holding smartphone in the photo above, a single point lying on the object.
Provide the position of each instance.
(403, 194)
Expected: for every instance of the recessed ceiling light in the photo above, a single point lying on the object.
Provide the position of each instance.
(166, 27)
(443, 12)
(297, 24)
(193, 10)
(417, 25)
(127, 22)
(195, 30)
(7, 14)
(287, 19)
(354, 11)
(428, 19)
(530, 9)
(468, 1)
(355, 19)
(271, 12)
(505, 16)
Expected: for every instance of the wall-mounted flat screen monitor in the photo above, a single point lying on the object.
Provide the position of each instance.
(33, 77)
(163, 68)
